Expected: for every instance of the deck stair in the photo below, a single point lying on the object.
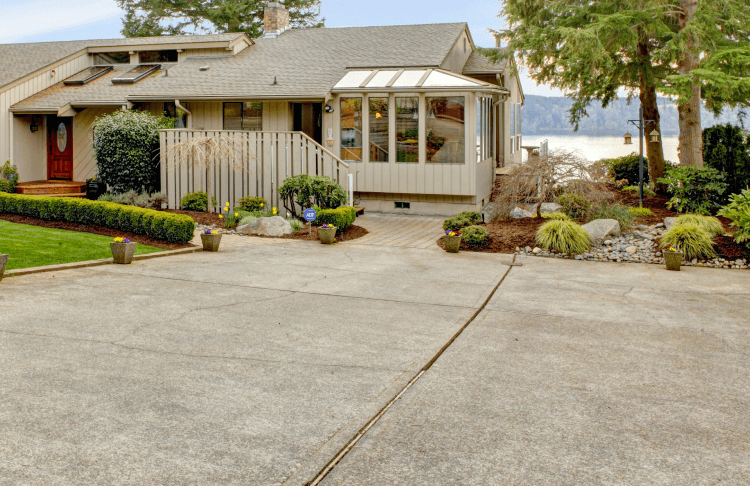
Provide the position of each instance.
(52, 188)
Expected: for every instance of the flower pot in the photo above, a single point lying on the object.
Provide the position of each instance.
(452, 243)
(3, 262)
(673, 259)
(94, 189)
(211, 242)
(122, 253)
(327, 236)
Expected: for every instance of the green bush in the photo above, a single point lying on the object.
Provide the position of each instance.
(563, 236)
(613, 211)
(462, 220)
(296, 224)
(196, 201)
(475, 236)
(174, 228)
(9, 178)
(712, 225)
(626, 167)
(305, 192)
(126, 146)
(341, 217)
(252, 203)
(574, 205)
(693, 240)
(560, 216)
(640, 212)
(738, 211)
(727, 149)
(695, 190)
(635, 190)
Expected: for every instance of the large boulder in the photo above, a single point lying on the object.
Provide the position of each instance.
(517, 213)
(600, 229)
(273, 226)
(546, 208)
(669, 222)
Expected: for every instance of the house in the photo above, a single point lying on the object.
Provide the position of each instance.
(414, 113)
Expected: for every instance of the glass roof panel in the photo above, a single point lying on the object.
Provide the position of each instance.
(87, 75)
(409, 79)
(381, 79)
(353, 79)
(438, 79)
(136, 74)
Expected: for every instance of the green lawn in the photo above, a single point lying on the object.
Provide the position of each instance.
(34, 246)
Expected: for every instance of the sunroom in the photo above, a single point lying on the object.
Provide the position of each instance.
(418, 140)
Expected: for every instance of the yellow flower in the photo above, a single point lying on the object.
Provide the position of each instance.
(227, 204)
(236, 214)
(261, 204)
(214, 232)
(274, 210)
(221, 216)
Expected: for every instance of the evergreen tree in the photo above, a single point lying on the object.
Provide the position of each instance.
(173, 17)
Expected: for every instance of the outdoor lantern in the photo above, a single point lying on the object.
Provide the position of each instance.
(329, 108)
(33, 127)
(654, 136)
(628, 138)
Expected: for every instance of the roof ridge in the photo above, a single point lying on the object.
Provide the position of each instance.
(118, 39)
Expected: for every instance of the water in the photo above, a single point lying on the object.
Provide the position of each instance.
(595, 148)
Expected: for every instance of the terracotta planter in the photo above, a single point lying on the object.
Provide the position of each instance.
(3, 262)
(122, 253)
(452, 243)
(673, 259)
(327, 236)
(211, 242)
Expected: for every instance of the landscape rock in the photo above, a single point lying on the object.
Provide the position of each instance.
(631, 249)
(669, 222)
(273, 226)
(517, 213)
(599, 229)
(536, 251)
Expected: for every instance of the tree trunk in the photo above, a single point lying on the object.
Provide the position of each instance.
(654, 150)
(690, 145)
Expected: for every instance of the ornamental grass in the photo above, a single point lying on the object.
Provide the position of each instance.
(564, 237)
(712, 225)
(691, 239)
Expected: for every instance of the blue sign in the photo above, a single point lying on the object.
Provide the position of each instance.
(310, 215)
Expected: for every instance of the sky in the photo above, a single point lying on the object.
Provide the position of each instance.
(58, 20)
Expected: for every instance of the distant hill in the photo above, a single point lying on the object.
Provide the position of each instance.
(543, 115)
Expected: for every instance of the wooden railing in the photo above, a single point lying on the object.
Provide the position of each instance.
(262, 161)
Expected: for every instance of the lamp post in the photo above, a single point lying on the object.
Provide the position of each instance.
(654, 135)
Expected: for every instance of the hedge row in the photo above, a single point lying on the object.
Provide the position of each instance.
(341, 217)
(174, 228)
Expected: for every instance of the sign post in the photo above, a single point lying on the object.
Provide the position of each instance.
(310, 215)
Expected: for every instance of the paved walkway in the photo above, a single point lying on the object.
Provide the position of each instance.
(258, 365)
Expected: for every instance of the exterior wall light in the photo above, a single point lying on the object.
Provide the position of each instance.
(329, 108)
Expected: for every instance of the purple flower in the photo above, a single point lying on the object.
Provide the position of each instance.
(126, 240)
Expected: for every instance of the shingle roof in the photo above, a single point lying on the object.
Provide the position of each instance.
(478, 63)
(18, 60)
(306, 63)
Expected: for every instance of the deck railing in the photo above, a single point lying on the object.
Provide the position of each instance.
(263, 160)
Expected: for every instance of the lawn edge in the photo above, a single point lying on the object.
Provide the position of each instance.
(95, 263)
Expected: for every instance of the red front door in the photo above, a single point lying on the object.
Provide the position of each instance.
(60, 148)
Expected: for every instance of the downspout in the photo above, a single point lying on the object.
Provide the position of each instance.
(189, 114)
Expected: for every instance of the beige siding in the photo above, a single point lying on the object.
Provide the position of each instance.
(206, 116)
(84, 161)
(240, 46)
(277, 116)
(459, 54)
(30, 148)
(29, 86)
(512, 84)
(219, 51)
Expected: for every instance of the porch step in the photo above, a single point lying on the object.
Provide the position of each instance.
(360, 211)
(52, 188)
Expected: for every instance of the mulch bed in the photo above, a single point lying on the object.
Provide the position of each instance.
(505, 235)
(352, 233)
(97, 230)
(200, 217)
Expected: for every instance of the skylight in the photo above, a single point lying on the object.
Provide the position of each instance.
(136, 74)
(87, 75)
(400, 79)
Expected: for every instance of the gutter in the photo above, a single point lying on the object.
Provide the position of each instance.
(189, 113)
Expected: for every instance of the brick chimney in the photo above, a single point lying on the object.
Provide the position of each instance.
(275, 19)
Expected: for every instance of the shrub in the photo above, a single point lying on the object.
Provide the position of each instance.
(232, 217)
(574, 205)
(306, 192)
(196, 201)
(252, 203)
(174, 228)
(647, 191)
(738, 210)
(563, 236)
(626, 168)
(250, 218)
(695, 190)
(640, 212)
(9, 178)
(711, 225)
(693, 240)
(559, 216)
(475, 236)
(126, 145)
(296, 224)
(341, 217)
(727, 149)
(613, 211)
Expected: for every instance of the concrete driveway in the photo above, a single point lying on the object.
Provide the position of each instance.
(258, 364)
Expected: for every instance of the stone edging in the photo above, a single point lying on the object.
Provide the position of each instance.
(95, 263)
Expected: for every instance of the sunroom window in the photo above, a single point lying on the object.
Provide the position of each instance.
(351, 129)
(407, 129)
(379, 129)
(445, 129)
